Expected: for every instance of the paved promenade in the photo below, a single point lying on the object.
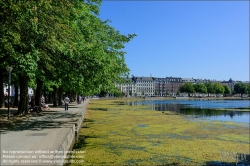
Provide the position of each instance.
(42, 139)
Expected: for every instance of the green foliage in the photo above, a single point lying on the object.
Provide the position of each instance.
(118, 93)
(227, 90)
(218, 88)
(248, 88)
(240, 88)
(62, 43)
(210, 87)
(200, 88)
(187, 87)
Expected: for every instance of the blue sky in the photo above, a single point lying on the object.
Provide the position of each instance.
(205, 39)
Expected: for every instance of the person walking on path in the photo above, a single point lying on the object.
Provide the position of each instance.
(66, 101)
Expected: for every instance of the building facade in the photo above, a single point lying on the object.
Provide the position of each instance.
(145, 86)
(173, 85)
(128, 88)
(160, 86)
(168, 86)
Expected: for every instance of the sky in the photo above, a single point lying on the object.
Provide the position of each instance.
(188, 39)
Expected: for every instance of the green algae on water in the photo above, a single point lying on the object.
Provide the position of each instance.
(135, 135)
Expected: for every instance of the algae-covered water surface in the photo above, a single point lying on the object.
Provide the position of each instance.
(117, 134)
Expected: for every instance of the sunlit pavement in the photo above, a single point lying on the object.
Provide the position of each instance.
(41, 139)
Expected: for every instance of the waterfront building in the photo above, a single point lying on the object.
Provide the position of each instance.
(173, 85)
(128, 88)
(145, 86)
(153, 86)
(191, 80)
(160, 86)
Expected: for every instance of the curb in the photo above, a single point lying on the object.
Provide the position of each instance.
(72, 136)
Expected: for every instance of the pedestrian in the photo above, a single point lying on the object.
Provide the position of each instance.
(45, 106)
(66, 101)
(80, 99)
(42, 100)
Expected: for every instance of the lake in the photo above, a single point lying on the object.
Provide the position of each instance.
(223, 110)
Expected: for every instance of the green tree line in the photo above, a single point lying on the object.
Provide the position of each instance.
(61, 47)
(214, 88)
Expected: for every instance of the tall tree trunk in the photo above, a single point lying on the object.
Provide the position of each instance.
(49, 97)
(54, 96)
(39, 87)
(45, 96)
(23, 104)
(1, 89)
(16, 96)
(60, 96)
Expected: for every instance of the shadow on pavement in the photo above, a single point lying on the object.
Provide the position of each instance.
(37, 121)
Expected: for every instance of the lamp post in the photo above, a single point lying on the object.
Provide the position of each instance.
(9, 69)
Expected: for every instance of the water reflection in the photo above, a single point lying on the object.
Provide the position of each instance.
(225, 110)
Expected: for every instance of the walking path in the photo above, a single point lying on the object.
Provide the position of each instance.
(42, 139)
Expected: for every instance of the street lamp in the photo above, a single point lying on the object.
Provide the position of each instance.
(9, 69)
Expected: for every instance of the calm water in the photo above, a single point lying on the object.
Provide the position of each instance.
(224, 110)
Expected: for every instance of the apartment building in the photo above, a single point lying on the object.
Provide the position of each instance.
(173, 85)
(153, 86)
(128, 87)
(160, 86)
(145, 86)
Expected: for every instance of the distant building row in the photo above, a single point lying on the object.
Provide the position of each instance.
(151, 86)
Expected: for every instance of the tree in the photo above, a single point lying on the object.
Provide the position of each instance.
(117, 93)
(187, 87)
(248, 88)
(200, 88)
(240, 88)
(142, 93)
(218, 88)
(210, 88)
(103, 93)
(62, 46)
(167, 93)
(227, 90)
(130, 92)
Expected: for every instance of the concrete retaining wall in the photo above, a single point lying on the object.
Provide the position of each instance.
(73, 134)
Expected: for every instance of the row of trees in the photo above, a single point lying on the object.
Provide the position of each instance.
(59, 46)
(214, 88)
(241, 88)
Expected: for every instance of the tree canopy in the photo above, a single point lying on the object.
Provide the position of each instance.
(210, 88)
(200, 88)
(240, 88)
(218, 88)
(227, 90)
(187, 87)
(61, 45)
